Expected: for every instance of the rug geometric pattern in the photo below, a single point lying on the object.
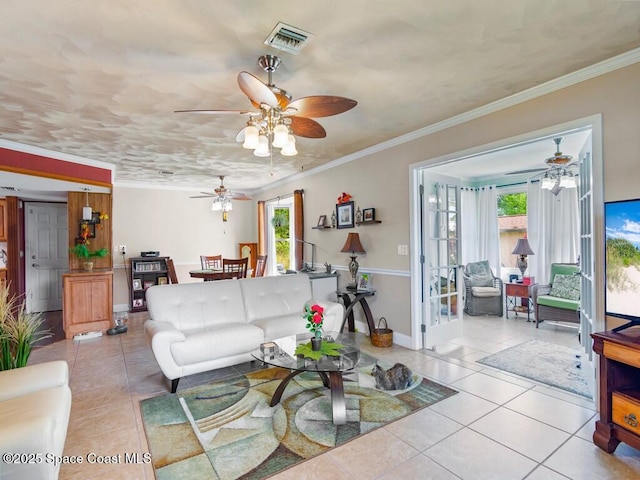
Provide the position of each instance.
(544, 362)
(227, 430)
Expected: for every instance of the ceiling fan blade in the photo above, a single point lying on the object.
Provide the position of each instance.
(239, 196)
(321, 106)
(204, 195)
(305, 127)
(530, 170)
(257, 91)
(219, 112)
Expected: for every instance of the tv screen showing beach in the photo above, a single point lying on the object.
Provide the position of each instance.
(622, 230)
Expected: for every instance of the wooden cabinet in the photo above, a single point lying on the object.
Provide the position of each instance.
(146, 272)
(619, 402)
(3, 220)
(87, 301)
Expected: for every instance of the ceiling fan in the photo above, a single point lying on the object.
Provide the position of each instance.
(556, 175)
(222, 198)
(278, 118)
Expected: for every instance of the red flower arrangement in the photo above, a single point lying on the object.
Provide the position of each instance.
(314, 315)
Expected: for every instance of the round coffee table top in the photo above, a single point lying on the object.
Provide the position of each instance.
(283, 354)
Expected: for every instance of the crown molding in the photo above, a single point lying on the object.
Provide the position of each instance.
(587, 73)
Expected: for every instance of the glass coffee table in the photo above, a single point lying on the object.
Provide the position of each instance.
(329, 368)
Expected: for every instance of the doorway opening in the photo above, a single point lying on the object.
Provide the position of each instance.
(590, 206)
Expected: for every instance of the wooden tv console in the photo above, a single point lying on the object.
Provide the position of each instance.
(619, 389)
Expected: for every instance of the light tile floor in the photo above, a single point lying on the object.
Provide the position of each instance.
(498, 426)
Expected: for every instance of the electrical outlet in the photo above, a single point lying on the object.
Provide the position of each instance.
(122, 249)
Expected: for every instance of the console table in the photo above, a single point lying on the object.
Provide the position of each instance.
(619, 400)
(512, 291)
(351, 298)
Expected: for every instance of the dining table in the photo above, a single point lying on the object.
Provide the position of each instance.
(210, 274)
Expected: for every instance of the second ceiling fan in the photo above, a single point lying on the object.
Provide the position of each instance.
(278, 117)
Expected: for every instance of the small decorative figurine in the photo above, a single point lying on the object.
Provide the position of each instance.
(333, 219)
(358, 215)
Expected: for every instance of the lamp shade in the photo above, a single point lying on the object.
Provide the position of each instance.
(523, 247)
(353, 244)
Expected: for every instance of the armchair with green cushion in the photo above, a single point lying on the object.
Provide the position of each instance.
(559, 300)
(483, 290)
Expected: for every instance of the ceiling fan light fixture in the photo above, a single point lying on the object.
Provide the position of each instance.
(280, 135)
(568, 181)
(250, 137)
(262, 150)
(289, 150)
(547, 182)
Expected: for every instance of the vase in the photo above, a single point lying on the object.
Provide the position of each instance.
(87, 266)
(316, 344)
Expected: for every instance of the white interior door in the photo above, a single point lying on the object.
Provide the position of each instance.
(47, 238)
(440, 244)
(587, 260)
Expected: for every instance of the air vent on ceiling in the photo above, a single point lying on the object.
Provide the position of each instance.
(287, 38)
(11, 189)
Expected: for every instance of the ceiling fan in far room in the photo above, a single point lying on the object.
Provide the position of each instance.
(556, 175)
(278, 118)
(222, 198)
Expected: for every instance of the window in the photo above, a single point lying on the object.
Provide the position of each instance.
(280, 235)
(512, 223)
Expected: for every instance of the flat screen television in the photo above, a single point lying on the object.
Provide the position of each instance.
(622, 261)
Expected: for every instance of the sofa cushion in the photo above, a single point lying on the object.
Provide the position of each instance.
(485, 291)
(216, 341)
(566, 286)
(278, 327)
(558, 302)
(562, 269)
(275, 296)
(192, 306)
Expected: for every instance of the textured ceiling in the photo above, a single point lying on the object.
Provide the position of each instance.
(101, 79)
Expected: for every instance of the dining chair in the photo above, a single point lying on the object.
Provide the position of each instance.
(171, 270)
(211, 262)
(234, 267)
(261, 266)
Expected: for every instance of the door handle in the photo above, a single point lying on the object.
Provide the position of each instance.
(35, 265)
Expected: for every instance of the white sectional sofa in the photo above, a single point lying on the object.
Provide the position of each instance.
(35, 404)
(196, 327)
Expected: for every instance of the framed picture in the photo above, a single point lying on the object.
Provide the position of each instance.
(90, 227)
(137, 284)
(364, 281)
(138, 302)
(322, 219)
(368, 214)
(148, 283)
(95, 218)
(344, 213)
(163, 280)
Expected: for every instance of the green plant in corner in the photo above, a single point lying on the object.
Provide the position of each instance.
(19, 331)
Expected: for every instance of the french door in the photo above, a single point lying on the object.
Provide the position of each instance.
(440, 259)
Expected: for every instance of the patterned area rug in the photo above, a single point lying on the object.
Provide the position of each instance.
(544, 362)
(227, 430)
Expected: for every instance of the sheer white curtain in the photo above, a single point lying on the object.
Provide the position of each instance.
(553, 226)
(479, 226)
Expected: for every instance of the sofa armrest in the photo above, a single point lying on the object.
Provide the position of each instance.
(161, 336)
(539, 289)
(32, 378)
(333, 313)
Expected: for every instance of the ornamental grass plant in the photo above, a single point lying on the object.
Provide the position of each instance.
(19, 331)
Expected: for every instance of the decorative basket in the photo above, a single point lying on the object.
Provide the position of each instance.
(382, 337)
